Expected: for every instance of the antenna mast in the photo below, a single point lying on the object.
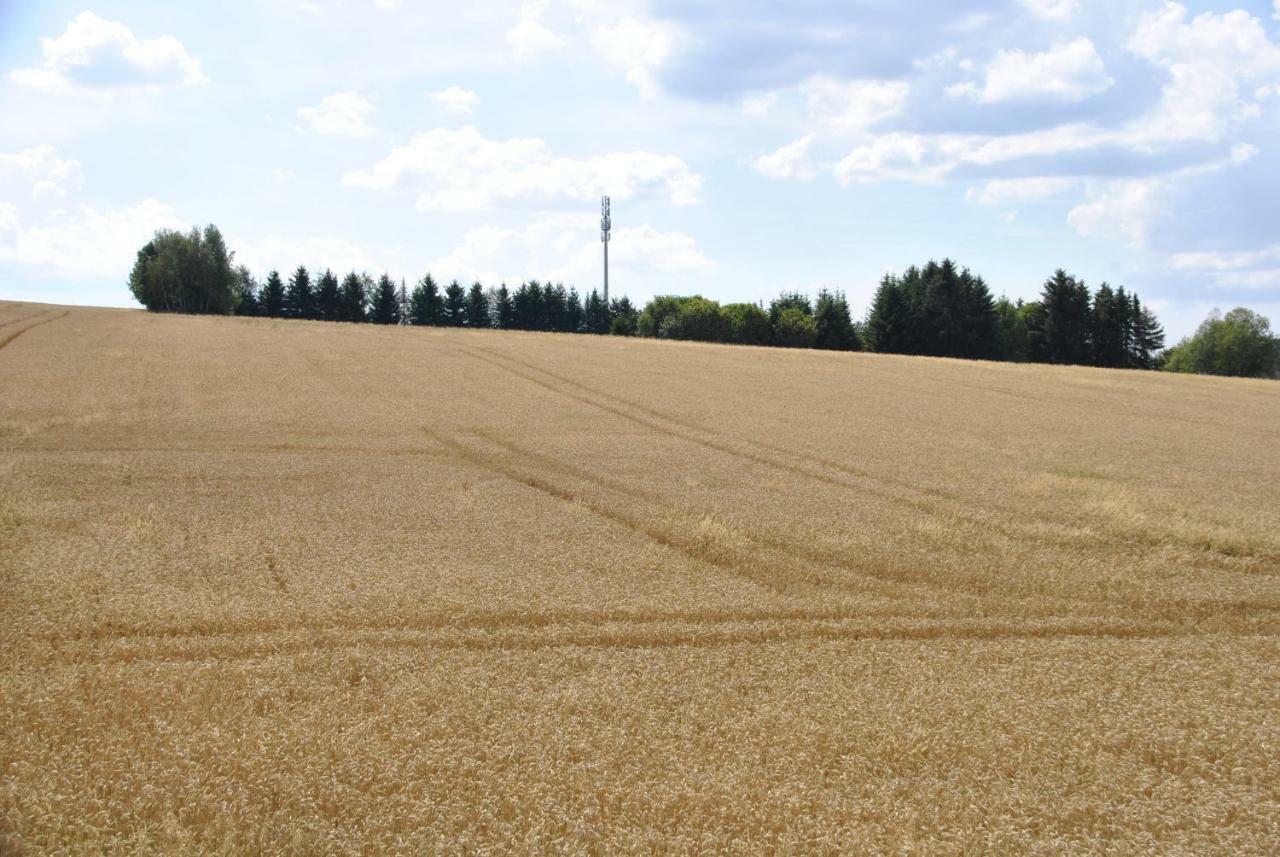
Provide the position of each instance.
(605, 226)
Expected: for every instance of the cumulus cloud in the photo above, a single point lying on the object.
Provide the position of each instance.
(1212, 60)
(94, 56)
(640, 46)
(1004, 191)
(456, 100)
(566, 248)
(529, 37)
(462, 170)
(47, 173)
(1052, 10)
(85, 242)
(788, 162)
(853, 105)
(343, 114)
(1069, 71)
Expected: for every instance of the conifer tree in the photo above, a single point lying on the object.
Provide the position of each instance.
(890, 321)
(595, 314)
(624, 317)
(353, 298)
(327, 302)
(386, 304)
(477, 307)
(1065, 334)
(1148, 336)
(426, 307)
(272, 297)
(402, 303)
(504, 310)
(299, 300)
(835, 326)
(455, 305)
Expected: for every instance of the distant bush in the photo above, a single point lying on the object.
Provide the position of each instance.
(698, 319)
(795, 329)
(747, 324)
(191, 272)
(1239, 343)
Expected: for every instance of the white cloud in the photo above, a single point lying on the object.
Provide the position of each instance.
(1246, 269)
(48, 173)
(639, 46)
(1126, 207)
(462, 170)
(853, 105)
(97, 56)
(85, 243)
(1209, 58)
(759, 105)
(456, 100)
(788, 162)
(1004, 191)
(343, 114)
(1130, 207)
(528, 39)
(1052, 10)
(566, 248)
(1069, 71)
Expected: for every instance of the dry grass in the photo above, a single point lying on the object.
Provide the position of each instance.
(302, 588)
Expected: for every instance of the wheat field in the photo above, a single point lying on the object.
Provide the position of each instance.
(304, 588)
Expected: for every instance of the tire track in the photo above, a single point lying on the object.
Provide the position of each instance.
(622, 636)
(12, 336)
(23, 318)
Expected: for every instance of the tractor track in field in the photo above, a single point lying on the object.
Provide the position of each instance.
(6, 340)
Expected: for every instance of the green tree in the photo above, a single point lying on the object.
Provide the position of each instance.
(697, 318)
(328, 305)
(834, 323)
(890, 325)
(455, 305)
(1064, 337)
(478, 307)
(426, 307)
(299, 299)
(595, 314)
(191, 272)
(795, 329)
(1146, 341)
(246, 292)
(786, 301)
(624, 317)
(503, 309)
(271, 299)
(747, 324)
(1012, 338)
(353, 300)
(657, 311)
(1240, 344)
(386, 303)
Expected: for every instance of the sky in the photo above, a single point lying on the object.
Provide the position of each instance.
(749, 146)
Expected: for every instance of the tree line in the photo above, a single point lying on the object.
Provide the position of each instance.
(939, 310)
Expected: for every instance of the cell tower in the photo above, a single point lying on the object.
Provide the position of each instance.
(605, 226)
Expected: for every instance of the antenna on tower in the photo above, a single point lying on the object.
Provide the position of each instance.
(605, 226)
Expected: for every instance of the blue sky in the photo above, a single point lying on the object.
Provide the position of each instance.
(749, 146)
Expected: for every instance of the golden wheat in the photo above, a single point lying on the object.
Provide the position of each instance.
(285, 587)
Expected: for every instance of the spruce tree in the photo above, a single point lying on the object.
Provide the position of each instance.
(595, 314)
(1148, 336)
(1065, 335)
(477, 307)
(504, 310)
(455, 305)
(328, 306)
(1108, 320)
(299, 300)
(890, 321)
(353, 298)
(386, 304)
(271, 298)
(624, 318)
(835, 326)
(426, 307)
